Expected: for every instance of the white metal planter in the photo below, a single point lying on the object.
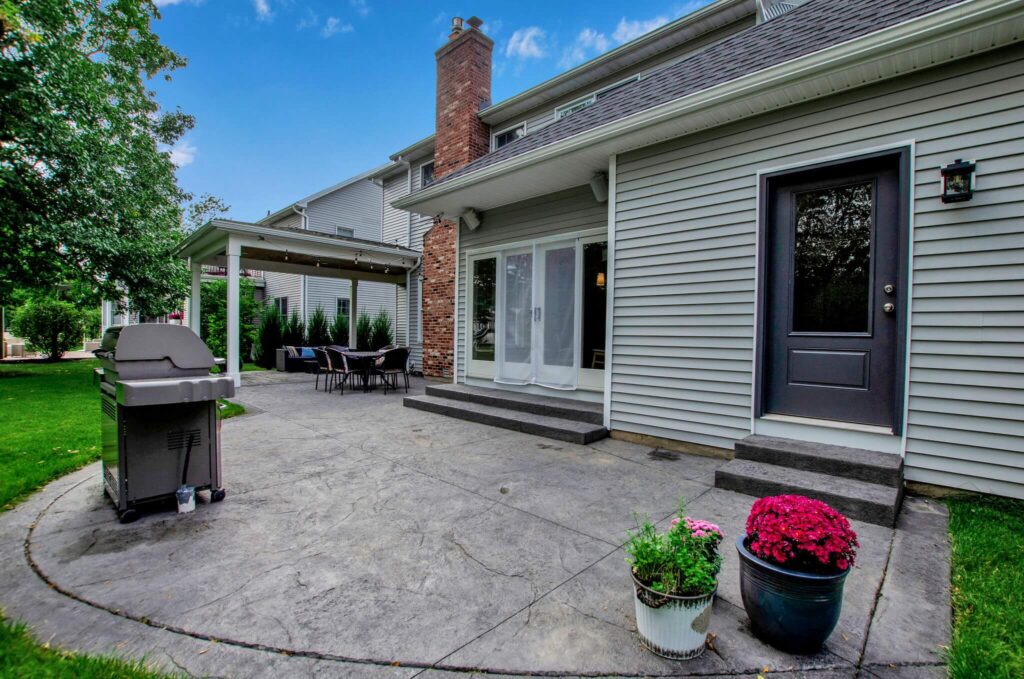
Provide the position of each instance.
(672, 626)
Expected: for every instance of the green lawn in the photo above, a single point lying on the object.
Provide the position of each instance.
(988, 588)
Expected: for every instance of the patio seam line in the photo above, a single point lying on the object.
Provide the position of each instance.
(644, 464)
(878, 596)
(542, 596)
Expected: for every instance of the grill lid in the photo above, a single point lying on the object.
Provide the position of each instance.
(152, 351)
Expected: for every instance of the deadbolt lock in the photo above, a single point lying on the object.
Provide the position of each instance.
(889, 288)
(888, 307)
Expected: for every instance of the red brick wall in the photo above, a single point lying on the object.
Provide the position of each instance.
(463, 88)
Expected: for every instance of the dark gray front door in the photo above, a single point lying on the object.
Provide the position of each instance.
(833, 295)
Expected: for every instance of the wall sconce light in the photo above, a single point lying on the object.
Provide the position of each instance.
(599, 185)
(958, 181)
(600, 279)
(471, 218)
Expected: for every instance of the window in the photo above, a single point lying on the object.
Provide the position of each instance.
(508, 136)
(590, 99)
(484, 271)
(344, 231)
(427, 174)
(281, 304)
(573, 107)
(343, 307)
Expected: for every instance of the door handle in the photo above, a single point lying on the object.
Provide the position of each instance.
(888, 307)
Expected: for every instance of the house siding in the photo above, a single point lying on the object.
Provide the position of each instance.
(563, 212)
(685, 256)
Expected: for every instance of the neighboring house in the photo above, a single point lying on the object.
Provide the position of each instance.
(354, 208)
(736, 225)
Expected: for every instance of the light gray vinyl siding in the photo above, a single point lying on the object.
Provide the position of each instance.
(563, 212)
(420, 223)
(396, 222)
(685, 269)
(415, 319)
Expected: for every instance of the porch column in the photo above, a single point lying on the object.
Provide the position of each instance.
(353, 314)
(195, 315)
(234, 251)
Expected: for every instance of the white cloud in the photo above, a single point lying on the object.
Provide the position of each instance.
(492, 28)
(527, 43)
(588, 43)
(360, 6)
(166, 3)
(308, 20)
(182, 153)
(263, 12)
(334, 25)
(630, 29)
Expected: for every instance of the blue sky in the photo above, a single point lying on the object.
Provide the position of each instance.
(291, 96)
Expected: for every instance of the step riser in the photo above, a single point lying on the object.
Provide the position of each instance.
(498, 401)
(892, 478)
(853, 508)
(512, 424)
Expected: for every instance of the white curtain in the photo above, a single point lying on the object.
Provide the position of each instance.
(538, 312)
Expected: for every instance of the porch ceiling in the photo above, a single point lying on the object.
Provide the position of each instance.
(297, 251)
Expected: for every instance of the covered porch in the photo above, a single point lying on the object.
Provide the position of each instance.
(242, 245)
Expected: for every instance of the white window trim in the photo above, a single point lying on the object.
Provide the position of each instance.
(421, 168)
(495, 135)
(475, 368)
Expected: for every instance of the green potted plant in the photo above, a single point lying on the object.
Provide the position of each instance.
(794, 561)
(674, 583)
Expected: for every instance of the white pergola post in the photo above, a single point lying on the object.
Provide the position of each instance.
(234, 251)
(195, 315)
(353, 314)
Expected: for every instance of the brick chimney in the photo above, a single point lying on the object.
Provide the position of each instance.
(463, 88)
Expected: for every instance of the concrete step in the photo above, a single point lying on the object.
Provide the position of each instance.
(860, 500)
(529, 423)
(549, 406)
(852, 463)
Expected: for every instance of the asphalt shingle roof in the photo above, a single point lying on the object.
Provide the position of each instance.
(804, 30)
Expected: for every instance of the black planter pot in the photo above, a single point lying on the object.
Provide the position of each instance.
(793, 611)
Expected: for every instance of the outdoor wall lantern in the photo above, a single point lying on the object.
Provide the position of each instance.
(958, 181)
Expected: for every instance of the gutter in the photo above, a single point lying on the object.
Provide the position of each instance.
(886, 41)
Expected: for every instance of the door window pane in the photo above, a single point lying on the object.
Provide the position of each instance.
(518, 307)
(559, 322)
(483, 309)
(832, 259)
(595, 297)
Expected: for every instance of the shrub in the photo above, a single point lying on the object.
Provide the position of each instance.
(92, 320)
(339, 330)
(213, 317)
(683, 561)
(268, 337)
(294, 331)
(364, 331)
(49, 326)
(380, 330)
(801, 534)
(317, 332)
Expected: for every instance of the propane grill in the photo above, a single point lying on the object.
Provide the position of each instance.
(159, 415)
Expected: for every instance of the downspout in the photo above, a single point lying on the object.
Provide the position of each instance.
(301, 211)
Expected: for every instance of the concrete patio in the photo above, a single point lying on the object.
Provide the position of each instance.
(361, 538)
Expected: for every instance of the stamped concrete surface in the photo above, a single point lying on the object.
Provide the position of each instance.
(361, 538)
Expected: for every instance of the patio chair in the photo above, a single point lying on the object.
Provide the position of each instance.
(394, 363)
(341, 370)
(323, 367)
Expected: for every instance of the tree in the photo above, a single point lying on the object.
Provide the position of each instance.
(294, 331)
(380, 330)
(213, 312)
(202, 209)
(339, 330)
(317, 332)
(364, 331)
(49, 326)
(87, 188)
(269, 337)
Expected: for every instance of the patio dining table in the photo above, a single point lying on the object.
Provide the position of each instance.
(361, 362)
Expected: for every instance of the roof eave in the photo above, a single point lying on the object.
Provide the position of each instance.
(944, 24)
